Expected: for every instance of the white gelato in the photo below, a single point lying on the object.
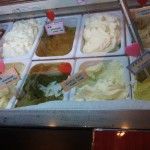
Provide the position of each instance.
(106, 82)
(101, 34)
(20, 39)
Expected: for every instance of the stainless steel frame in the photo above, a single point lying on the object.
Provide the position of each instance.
(120, 119)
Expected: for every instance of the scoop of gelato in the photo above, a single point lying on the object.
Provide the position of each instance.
(101, 34)
(141, 91)
(106, 82)
(20, 39)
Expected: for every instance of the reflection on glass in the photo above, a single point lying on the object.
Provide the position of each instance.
(120, 133)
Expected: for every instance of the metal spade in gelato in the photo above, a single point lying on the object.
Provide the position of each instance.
(102, 33)
(56, 45)
(7, 92)
(106, 82)
(43, 84)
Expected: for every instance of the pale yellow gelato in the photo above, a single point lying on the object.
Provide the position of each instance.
(106, 82)
(7, 92)
(102, 33)
(142, 90)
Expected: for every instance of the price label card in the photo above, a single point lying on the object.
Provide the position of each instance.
(140, 64)
(54, 28)
(73, 81)
(9, 77)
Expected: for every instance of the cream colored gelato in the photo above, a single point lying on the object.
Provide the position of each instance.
(102, 33)
(7, 92)
(141, 17)
(106, 82)
(143, 24)
(20, 39)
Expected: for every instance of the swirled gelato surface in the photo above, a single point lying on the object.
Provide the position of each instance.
(19, 41)
(102, 33)
(106, 82)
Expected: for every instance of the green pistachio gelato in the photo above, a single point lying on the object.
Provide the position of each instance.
(42, 85)
(106, 82)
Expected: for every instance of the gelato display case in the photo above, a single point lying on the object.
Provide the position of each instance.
(73, 70)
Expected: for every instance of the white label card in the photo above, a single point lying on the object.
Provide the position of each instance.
(55, 27)
(75, 80)
(9, 77)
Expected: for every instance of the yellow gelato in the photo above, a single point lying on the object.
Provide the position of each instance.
(142, 90)
(106, 82)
